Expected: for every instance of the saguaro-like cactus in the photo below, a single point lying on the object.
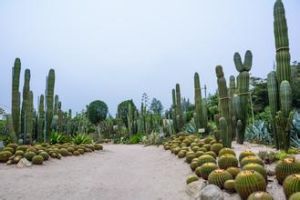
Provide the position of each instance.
(56, 101)
(29, 118)
(179, 113)
(25, 106)
(49, 103)
(130, 119)
(41, 119)
(283, 69)
(243, 90)
(15, 100)
(174, 114)
(224, 106)
(232, 90)
(198, 102)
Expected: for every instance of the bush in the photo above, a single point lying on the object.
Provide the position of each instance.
(82, 139)
(135, 139)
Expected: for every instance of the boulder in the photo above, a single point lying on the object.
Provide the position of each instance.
(23, 163)
(211, 192)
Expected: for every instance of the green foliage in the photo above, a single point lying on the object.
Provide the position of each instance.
(136, 138)
(259, 94)
(57, 138)
(295, 82)
(97, 111)
(156, 106)
(123, 111)
(82, 139)
(258, 133)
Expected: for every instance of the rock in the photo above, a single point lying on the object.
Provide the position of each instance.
(193, 189)
(233, 196)
(211, 192)
(23, 163)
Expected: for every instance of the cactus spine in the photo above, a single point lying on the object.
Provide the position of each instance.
(224, 107)
(179, 113)
(15, 103)
(41, 118)
(243, 90)
(49, 103)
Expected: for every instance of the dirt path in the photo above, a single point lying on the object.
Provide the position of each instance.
(120, 172)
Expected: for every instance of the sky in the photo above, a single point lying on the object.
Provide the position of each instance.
(116, 50)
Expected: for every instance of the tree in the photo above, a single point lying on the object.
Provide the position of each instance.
(97, 111)
(123, 111)
(156, 106)
(259, 94)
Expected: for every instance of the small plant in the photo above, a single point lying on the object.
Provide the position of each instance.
(258, 133)
(82, 139)
(136, 138)
(268, 156)
(57, 138)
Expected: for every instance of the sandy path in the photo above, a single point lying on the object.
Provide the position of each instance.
(120, 172)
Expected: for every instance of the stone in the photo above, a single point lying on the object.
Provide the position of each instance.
(193, 189)
(211, 192)
(23, 163)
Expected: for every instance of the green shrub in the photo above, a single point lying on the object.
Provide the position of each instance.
(82, 139)
(136, 138)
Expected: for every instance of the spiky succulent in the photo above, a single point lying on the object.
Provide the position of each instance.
(245, 154)
(205, 159)
(190, 156)
(218, 177)
(295, 196)
(216, 147)
(247, 182)
(206, 169)
(226, 151)
(234, 171)
(256, 167)
(211, 153)
(285, 168)
(191, 179)
(37, 160)
(260, 196)
(291, 185)
(228, 160)
(251, 159)
(229, 186)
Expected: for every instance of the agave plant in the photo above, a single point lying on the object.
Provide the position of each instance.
(82, 139)
(295, 130)
(190, 127)
(258, 132)
(57, 138)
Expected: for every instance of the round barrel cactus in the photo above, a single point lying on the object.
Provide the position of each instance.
(291, 185)
(228, 160)
(247, 182)
(226, 151)
(256, 167)
(260, 196)
(206, 169)
(285, 168)
(218, 177)
(245, 154)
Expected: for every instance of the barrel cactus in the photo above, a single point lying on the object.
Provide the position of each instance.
(205, 159)
(218, 177)
(285, 168)
(260, 196)
(191, 179)
(295, 196)
(37, 160)
(29, 155)
(216, 147)
(256, 167)
(251, 159)
(248, 182)
(229, 186)
(227, 161)
(226, 151)
(234, 171)
(291, 185)
(245, 154)
(206, 169)
(5, 155)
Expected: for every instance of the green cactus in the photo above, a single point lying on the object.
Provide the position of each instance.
(247, 182)
(251, 159)
(295, 196)
(41, 118)
(37, 160)
(226, 131)
(25, 112)
(216, 147)
(243, 90)
(260, 196)
(206, 159)
(232, 108)
(198, 102)
(130, 119)
(256, 167)
(246, 153)
(291, 185)
(49, 103)
(179, 113)
(226, 151)
(15, 98)
(283, 69)
(29, 119)
(56, 101)
(205, 169)
(234, 171)
(273, 102)
(228, 160)
(285, 168)
(229, 186)
(218, 177)
(191, 179)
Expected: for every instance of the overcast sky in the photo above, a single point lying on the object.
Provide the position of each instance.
(115, 50)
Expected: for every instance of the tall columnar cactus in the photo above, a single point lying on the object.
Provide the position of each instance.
(283, 69)
(174, 110)
(41, 119)
(198, 102)
(224, 106)
(243, 90)
(283, 118)
(179, 113)
(273, 102)
(29, 118)
(56, 101)
(49, 103)
(15, 100)
(130, 119)
(25, 106)
(232, 90)
(279, 90)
